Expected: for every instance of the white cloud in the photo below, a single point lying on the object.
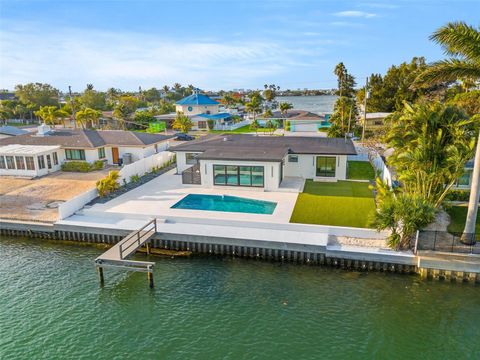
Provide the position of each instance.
(355, 14)
(76, 57)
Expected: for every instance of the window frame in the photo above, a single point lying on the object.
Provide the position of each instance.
(101, 153)
(55, 158)
(3, 163)
(238, 183)
(291, 157)
(10, 161)
(70, 152)
(20, 163)
(41, 162)
(326, 173)
(30, 162)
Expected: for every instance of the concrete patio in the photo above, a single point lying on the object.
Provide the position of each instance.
(156, 198)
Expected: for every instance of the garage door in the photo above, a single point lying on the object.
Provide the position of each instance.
(304, 126)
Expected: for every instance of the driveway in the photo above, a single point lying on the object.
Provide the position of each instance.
(38, 199)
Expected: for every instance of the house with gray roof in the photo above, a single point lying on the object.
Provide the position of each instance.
(239, 160)
(111, 146)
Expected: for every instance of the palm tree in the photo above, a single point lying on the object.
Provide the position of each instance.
(182, 123)
(51, 114)
(462, 43)
(87, 117)
(253, 107)
(284, 107)
(177, 87)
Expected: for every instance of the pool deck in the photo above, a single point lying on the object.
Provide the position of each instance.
(156, 198)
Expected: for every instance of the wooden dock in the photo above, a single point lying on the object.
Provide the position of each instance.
(117, 256)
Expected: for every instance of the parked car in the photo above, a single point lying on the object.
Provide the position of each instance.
(183, 137)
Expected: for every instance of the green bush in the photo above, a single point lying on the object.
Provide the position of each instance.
(108, 184)
(134, 178)
(458, 195)
(82, 166)
(287, 125)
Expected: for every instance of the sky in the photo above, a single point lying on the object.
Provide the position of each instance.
(215, 44)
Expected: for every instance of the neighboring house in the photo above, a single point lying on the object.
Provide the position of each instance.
(200, 109)
(30, 160)
(110, 146)
(299, 120)
(262, 162)
(375, 121)
(465, 181)
(9, 131)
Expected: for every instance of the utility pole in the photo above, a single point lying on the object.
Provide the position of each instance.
(72, 104)
(365, 110)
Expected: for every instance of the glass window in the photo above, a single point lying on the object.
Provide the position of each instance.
(232, 175)
(326, 166)
(464, 180)
(245, 176)
(10, 162)
(219, 177)
(75, 154)
(3, 165)
(101, 153)
(20, 161)
(191, 158)
(41, 162)
(292, 158)
(30, 162)
(257, 176)
(49, 162)
(55, 158)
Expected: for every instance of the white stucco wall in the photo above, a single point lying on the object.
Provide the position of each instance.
(197, 109)
(305, 167)
(271, 173)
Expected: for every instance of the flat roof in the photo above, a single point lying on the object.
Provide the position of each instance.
(17, 149)
(264, 148)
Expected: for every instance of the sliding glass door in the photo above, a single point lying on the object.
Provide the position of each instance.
(326, 166)
(233, 175)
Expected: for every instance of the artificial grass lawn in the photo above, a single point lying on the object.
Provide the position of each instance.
(360, 170)
(458, 214)
(344, 203)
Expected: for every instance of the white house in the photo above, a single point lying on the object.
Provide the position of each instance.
(201, 109)
(30, 160)
(110, 146)
(262, 162)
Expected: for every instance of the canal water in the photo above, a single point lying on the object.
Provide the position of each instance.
(52, 307)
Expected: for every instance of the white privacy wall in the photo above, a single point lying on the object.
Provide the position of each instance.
(271, 173)
(306, 166)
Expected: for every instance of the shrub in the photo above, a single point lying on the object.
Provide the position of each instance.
(287, 125)
(211, 124)
(458, 195)
(108, 184)
(82, 166)
(134, 178)
(77, 166)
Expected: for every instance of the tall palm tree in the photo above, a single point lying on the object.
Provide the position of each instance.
(253, 107)
(462, 43)
(284, 107)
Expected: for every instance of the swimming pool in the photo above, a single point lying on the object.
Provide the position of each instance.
(225, 203)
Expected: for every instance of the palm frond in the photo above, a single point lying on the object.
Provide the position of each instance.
(446, 71)
(459, 39)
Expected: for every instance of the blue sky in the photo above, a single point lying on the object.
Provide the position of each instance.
(215, 44)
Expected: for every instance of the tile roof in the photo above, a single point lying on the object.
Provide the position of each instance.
(197, 99)
(266, 148)
(87, 138)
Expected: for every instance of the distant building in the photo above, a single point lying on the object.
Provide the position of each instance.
(375, 120)
(201, 109)
(299, 120)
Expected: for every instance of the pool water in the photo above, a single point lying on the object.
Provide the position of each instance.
(225, 203)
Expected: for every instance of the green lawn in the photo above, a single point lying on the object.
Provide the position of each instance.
(360, 170)
(241, 130)
(458, 214)
(344, 203)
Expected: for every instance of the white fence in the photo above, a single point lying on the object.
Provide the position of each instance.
(144, 165)
(73, 205)
(231, 127)
(380, 167)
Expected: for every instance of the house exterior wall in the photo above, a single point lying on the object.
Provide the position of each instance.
(306, 167)
(271, 173)
(303, 126)
(37, 171)
(182, 161)
(197, 109)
